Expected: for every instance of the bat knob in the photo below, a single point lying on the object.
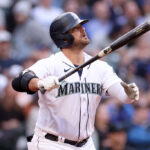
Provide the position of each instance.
(42, 90)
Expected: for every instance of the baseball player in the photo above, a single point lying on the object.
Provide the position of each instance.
(67, 109)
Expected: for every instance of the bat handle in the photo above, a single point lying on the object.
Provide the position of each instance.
(42, 90)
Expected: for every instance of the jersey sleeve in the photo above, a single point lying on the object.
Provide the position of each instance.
(109, 77)
(43, 67)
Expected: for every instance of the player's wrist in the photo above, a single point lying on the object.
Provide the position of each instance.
(33, 84)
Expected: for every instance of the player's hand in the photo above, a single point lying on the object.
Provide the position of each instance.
(131, 90)
(49, 83)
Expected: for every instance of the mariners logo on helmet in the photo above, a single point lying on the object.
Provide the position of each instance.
(61, 25)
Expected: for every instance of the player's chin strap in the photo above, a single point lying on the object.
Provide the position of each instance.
(20, 83)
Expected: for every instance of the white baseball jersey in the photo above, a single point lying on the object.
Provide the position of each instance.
(69, 111)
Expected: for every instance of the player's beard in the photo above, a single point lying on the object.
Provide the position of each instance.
(81, 43)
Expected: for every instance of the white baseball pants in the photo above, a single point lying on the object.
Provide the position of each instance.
(39, 142)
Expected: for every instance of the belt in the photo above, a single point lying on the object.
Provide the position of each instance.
(75, 143)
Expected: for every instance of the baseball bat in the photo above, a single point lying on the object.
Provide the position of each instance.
(121, 41)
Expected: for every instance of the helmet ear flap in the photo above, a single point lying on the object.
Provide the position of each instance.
(63, 40)
(68, 40)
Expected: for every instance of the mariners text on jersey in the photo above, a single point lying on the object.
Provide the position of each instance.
(77, 87)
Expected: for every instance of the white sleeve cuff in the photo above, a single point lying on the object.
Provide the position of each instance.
(117, 91)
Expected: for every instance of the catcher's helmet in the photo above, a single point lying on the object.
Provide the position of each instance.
(61, 25)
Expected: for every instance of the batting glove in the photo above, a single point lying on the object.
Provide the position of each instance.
(49, 83)
(131, 90)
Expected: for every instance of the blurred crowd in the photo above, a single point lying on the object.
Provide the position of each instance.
(24, 39)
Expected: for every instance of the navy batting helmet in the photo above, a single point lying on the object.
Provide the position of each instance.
(60, 27)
